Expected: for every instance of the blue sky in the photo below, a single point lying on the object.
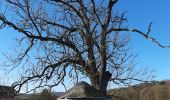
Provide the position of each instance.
(139, 13)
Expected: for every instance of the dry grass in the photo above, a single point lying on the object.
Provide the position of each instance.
(151, 91)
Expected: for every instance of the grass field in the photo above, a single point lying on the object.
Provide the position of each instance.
(150, 91)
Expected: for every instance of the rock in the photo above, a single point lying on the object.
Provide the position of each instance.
(81, 90)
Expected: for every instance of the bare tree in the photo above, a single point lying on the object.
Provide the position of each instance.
(62, 36)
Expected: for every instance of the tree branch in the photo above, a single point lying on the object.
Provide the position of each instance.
(139, 32)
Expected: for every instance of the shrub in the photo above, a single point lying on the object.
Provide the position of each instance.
(47, 95)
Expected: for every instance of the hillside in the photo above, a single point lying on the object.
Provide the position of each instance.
(150, 91)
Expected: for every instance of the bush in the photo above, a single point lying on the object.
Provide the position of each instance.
(47, 95)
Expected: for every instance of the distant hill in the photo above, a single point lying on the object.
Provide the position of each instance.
(34, 96)
(148, 91)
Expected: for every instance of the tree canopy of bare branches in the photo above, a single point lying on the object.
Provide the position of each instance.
(60, 37)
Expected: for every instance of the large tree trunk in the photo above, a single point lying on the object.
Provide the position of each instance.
(101, 82)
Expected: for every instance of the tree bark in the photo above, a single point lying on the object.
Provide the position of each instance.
(101, 82)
